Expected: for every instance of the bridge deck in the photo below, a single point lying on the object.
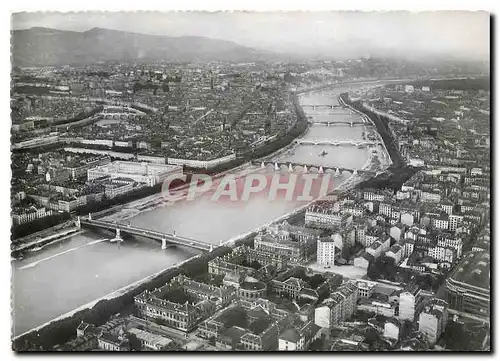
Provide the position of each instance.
(309, 166)
(158, 236)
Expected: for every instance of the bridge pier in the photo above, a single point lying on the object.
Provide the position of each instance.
(163, 243)
(321, 171)
(305, 168)
(276, 167)
(117, 238)
(337, 172)
(78, 223)
(90, 216)
(262, 165)
(290, 168)
(355, 172)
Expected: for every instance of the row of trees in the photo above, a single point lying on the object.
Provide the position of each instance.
(383, 266)
(22, 230)
(480, 83)
(399, 172)
(81, 116)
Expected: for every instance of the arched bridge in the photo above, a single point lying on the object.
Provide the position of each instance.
(121, 116)
(120, 112)
(164, 238)
(122, 109)
(356, 143)
(294, 167)
(328, 124)
(321, 106)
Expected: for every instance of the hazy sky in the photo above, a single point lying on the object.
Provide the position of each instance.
(456, 33)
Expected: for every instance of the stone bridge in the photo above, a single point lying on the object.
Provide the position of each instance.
(356, 143)
(119, 116)
(321, 106)
(332, 124)
(120, 112)
(306, 168)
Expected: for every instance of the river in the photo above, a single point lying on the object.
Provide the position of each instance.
(74, 272)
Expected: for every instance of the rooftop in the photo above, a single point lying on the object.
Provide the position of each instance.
(290, 334)
(474, 270)
(150, 338)
(136, 168)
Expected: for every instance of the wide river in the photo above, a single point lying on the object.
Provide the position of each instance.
(85, 267)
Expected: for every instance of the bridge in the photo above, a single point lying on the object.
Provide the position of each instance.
(122, 108)
(164, 238)
(357, 143)
(351, 124)
(321, 106)
(313, 168)
(120, 112)
(117, 102)
(121, 116)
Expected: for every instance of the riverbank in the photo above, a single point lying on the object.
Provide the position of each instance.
(54, 332)
(39, 244)
(112, 295)
(193, 264)
(151, 203)
(398, 172)
(246, 238)
(42, 238)
(157, 200)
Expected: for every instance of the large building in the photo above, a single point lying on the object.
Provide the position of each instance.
(232, 263)
(204, 164)
(408, 302)
(183, 303)
(339, 307)
(246, 325)
(468, 287)
(326, 252)
(30, 215)
(80, 169)
(298, 336)
(147, 173)
(287, 244)
(433, 319)
(365, 288)
(318, 217)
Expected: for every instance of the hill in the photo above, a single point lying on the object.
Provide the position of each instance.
(43, 47)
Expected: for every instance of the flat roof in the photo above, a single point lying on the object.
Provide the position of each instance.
(474, 270)
(142, 168)
(150, 337)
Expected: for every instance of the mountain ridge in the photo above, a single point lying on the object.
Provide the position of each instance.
(40, 46)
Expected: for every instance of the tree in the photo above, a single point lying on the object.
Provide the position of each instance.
(346, 252)
(426, 281)
(316, 280)
(37, 225)
(373, 272)
(383, 266)
(135, 343)
(256, 265)
(318, 344)
(455, 336)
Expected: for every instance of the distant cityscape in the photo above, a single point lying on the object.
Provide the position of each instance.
(397, 257)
